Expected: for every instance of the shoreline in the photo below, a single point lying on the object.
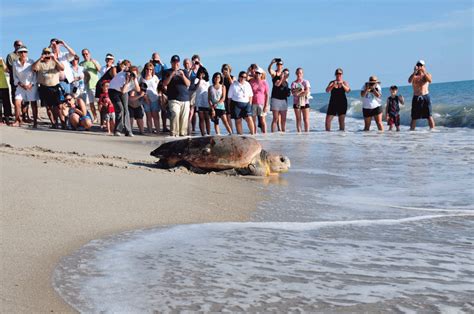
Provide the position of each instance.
(61, 190)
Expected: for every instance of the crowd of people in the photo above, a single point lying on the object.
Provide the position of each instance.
(78, 94)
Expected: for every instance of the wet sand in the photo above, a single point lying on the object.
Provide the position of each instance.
(62, 189)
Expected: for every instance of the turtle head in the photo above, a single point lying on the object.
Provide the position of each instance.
(276, 163)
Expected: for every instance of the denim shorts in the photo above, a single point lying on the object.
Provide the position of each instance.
(153, 107)
(241, 109)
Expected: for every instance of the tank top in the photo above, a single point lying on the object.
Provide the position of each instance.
(227, 83)
(216, 95)
(338, 96)
(280, 92)
(393, 104)
(106, 77)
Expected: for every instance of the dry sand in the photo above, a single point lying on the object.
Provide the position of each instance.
(61, 189)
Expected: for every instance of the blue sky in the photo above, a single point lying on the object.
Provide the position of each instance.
(384, 37)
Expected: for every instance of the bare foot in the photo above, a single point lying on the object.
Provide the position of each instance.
(16, 124)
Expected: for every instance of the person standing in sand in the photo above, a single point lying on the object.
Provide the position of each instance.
(338, 101)
(177, 85)
(240, 95)
(371, 94)
(279, 96)
(421, 102)
(48, 68)
(91, 76)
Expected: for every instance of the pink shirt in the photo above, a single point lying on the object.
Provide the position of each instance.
(259, 89)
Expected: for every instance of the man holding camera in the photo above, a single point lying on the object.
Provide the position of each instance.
(66, 76)
(48, 69)
(160, 67)
(177, 85)
(421, 102)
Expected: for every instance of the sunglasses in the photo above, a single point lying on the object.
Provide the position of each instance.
(419, 65)
(68, 99)
(23, 52)
(243, 76)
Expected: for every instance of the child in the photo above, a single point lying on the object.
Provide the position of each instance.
(135, 106)
(106, 109)
(216, 98)
(392, 110)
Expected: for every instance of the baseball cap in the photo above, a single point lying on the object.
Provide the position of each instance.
(421, 62)
(22, 49)
(46, 51)
(175, 58)
(259, 70)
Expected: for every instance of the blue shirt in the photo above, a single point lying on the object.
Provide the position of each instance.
(160, 69)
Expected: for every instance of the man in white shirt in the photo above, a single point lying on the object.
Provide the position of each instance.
(240, 95)
(66, 77)
(26, 86)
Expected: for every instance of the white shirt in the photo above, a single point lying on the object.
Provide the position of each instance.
(119, 80)
(102, 71)
(152, 87)
(201, 94)
(65, 58)
(24, 73)
(370, 101)
(240, 92)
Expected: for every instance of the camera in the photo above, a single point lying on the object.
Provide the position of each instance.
(277, 60)
(132, 75)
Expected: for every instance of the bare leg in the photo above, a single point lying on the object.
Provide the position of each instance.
(34, 108)
(412, 124)
(328, 122)
(254, 121)
(306, 119)
(238, 125)
(156, 119)
(367, 121)
(431, 122)
(190, 120)
(49, 111)
(263, 124)
(207, 119)
(378, 121)
(282, 120)
(298, 120)
(342, 122)
(94, 112)
(226, 124)
(17, 113)
(250, 124)
(201, 122)
(140, 124)
(163, 119)
(276, 116)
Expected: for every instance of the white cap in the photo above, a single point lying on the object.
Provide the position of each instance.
(259, 70)
(421, 62)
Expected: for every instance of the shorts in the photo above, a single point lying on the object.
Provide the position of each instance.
(241, 109)
(278, 104)
(219, 114)
(153, 107)
(109, 116)
(27, 95)
(49, 95)
(421, 107)
(371, 112)
(393, 119)
(203, 109)
(136, 113)
(89, 96)
(337, 109)
(257, 110)
(192, 98)
(296, 106)
(87, 116)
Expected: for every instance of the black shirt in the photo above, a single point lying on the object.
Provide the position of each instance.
(177, 89)
(280, 92)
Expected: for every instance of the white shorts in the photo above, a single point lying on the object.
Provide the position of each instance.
(27, 95)
(89, 96)
(278, 104)
(257, 110)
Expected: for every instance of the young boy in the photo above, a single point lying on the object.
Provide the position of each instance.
(392, 110)
(106, 109)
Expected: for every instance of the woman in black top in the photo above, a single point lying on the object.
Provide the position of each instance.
(280, 94)
(228, 80)
(338, 101)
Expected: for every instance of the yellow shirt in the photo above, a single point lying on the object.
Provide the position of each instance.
(47, 75)
(3, 78)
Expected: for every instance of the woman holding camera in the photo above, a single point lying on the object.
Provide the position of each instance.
(371, 94)
(338, 101)
(120, 85)
(280, 93)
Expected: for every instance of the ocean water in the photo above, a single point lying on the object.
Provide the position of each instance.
(363, 222)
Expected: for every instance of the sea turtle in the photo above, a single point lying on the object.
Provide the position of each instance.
(217, 153)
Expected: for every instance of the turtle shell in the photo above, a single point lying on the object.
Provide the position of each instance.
(210, 152)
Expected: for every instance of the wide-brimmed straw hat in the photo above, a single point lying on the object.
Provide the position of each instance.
(373, 79)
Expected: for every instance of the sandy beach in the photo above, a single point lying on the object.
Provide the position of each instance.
(61, 189)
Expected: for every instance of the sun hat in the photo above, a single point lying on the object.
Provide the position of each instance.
(259, 70)
(22, 49)
(109, 56)
(373, 79)
(46, 51)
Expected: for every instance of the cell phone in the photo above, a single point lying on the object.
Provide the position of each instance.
(277, 60)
